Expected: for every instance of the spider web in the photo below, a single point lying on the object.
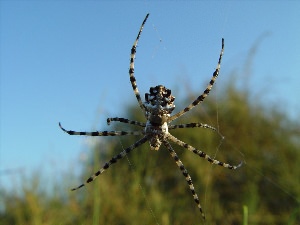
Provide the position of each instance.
(142, 189)
(252, 168)
(215, 98)
(158, 47)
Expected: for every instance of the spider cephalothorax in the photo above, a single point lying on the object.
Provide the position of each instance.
(158, 106)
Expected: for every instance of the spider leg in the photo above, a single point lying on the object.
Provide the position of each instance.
(123, 120)
(192, 125)
(201, 154)
(101, 133)
(112, 161)
(185, 174)
(205, 93)
(131, 67)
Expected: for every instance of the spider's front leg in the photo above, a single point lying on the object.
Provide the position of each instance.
(185, 174)
(202, 154)
(112, 161)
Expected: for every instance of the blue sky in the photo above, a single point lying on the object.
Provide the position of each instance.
(68, 61)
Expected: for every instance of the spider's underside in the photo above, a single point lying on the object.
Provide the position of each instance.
(157, 108)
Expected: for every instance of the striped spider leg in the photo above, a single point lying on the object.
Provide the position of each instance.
(185, 174)
(200, 98)
(131, 66)
(123, 120)
(157, 108)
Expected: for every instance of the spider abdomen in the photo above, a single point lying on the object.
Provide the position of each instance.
(159, 104)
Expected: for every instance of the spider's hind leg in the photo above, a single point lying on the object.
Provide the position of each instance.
(131, 66)
(200, 98)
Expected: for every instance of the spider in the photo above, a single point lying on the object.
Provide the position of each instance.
(157, 109)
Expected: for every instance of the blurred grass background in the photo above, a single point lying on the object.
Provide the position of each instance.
(148, 188)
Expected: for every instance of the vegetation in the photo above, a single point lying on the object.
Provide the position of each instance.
(148, 188)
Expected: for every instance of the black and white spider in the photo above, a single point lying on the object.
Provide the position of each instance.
(158, 105)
